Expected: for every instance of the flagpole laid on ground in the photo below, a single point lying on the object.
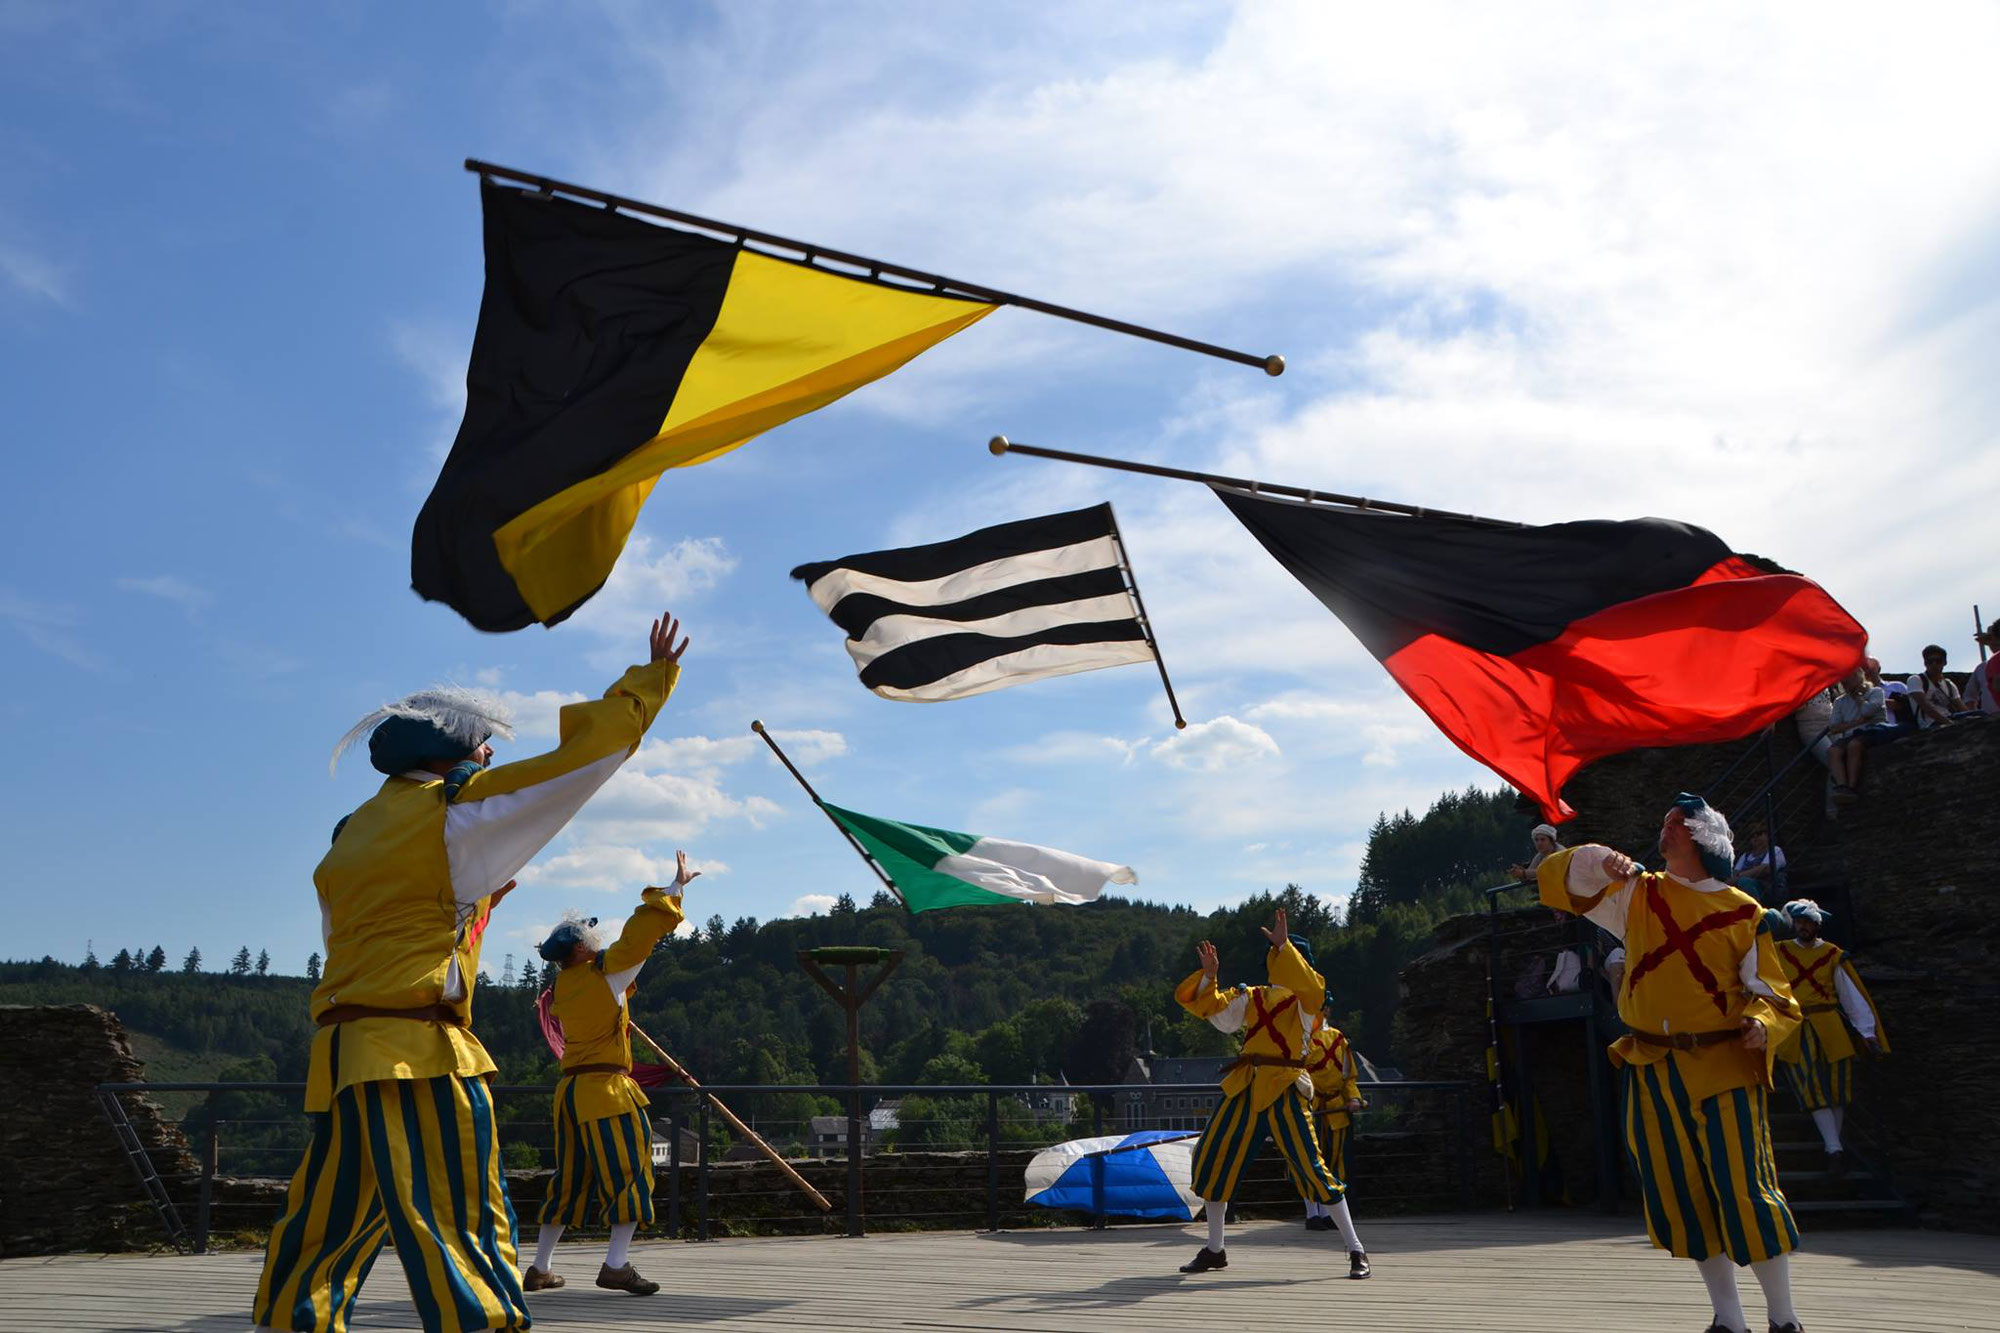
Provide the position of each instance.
(1000, 444)
(1145, 621)
(859, 850)
(875, 268)
(755, 1139)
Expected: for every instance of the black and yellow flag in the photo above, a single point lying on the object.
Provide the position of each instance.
(609, 350)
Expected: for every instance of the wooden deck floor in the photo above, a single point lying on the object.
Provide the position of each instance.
(1488, 1272)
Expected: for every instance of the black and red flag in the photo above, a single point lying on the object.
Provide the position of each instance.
(1540, 649)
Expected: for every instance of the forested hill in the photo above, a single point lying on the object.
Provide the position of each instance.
(1005, 992)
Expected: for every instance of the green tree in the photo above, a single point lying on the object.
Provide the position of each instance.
(121, 962)
(156, 961)
(263, 962)
(312, 966)
(239, 966)
(192, 963)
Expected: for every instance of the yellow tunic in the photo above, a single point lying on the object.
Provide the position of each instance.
(589, 1001)
(1696, 961)
(1272, 1019)
(1330, 1063)
(1816, 971)
(406, 876)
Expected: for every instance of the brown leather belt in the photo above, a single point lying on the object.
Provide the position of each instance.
(428, 1013)
(1687, 1041)
(1330, 1101)
(1261, 1062)
(595, 1069)
(1821, 1008)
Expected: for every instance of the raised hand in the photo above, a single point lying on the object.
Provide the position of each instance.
(1278, 930)
(662, 641)
(1210, 962)
(682, 875)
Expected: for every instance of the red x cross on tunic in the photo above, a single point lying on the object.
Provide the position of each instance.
(1806, 972)
(1264, 1020)
(1681, 942)
(1330, 1054)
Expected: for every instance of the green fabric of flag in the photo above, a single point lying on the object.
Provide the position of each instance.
(933, 867)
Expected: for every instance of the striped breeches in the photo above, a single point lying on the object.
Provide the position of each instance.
(604, 1167)
(416, 1163)
(1333, 1145)
(1236, 1132)
(1813, 1080)
(1707, 1177)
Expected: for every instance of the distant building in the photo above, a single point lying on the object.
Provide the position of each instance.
(663, 1148)
(1139, 1106)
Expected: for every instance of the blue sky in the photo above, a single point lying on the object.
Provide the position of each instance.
(1735, 270)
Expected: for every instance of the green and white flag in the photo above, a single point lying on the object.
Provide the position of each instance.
(935, 867)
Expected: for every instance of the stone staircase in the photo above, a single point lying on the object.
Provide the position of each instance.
(1866, 1196)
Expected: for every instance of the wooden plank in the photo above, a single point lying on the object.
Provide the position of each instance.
(1507, 1274)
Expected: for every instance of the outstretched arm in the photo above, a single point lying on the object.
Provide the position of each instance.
(503, 816)
(1592, 881)
(656, 917)
(1200, 996)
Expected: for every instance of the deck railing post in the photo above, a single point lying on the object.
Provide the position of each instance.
(210, 1153)
(674, 1168)
(1097, 1216)
(992, 1161)
(701, 1158)
(1464, 1117)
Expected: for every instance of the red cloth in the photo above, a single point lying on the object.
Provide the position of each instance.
(645, 1075)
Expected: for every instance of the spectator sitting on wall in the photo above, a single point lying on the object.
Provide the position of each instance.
(1546, 845)
(1760, 871)
(1812, 719)
(1896, 706)
(1859, 721)
(1982, 684)
(1935, 695)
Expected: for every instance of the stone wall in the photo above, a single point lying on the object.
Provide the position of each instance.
(64, 1183)
(1918, 858)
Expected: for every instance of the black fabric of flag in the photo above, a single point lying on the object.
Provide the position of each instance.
(998, 607)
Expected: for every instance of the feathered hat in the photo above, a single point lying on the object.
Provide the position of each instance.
(442, 722)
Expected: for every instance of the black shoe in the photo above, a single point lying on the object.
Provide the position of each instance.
(1786, 1328)
(1206, 1261)
(1837, 1167)
(1357, 1264)
(1319, 1224)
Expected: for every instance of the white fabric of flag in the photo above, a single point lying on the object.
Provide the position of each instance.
(1002, 606)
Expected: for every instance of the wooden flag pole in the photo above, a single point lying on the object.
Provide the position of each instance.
(876, 269)
(1145, 621)
(755, 1139)
(1978, 628)
(852, 841)
(1000, 444)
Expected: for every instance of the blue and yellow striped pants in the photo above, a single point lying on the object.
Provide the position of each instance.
(1333, 1145)
(414, 1162)
(607, 1162)
(1236, 1132)
(1814, 1081)
(1707, 1178)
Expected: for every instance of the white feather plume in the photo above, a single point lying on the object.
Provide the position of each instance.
(463, 714)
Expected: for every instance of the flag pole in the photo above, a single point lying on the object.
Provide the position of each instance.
(1145, 621)
(852, 841)
(1978, 628)
(1000, 444)
(876, 269)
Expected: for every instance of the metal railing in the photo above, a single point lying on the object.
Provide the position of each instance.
(931, 1156)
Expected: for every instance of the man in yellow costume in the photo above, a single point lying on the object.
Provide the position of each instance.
(403, 1146)
(1331, 1065)
(604, 1143)
(1265, 1090)
(1708, 1007)
(1817, 1064)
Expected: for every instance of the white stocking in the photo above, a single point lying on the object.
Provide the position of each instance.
(1775, 1277)
(545, 1245)
(1828, 1121)
(1719, 1272)
(621, 1242)
(1345, 1221)
(1217, 1209)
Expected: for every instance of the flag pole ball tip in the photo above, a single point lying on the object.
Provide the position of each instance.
(1180, 724)
(1274, 365)
(997, 445)
(756, 726)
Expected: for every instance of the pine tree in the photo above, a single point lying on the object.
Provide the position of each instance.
(123, 961)
(882, 898)
(239, 966)
(90, 963)
(263, 962)
(312, 967)
(192, 963)
(156, 961)
(843, 906)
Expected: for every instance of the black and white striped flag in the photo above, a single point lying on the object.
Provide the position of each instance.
(998, 607)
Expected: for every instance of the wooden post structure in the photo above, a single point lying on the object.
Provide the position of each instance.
(751, 1136)
(850, 998)
(875, 269)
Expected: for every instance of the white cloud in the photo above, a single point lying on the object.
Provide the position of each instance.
(171, 588)
(1215, 746)
(810, 904)
(1074, 747)
(51, 628)
(535, 713)
(34, 274)
(436, 355)
(652, 577)
(610, 868)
